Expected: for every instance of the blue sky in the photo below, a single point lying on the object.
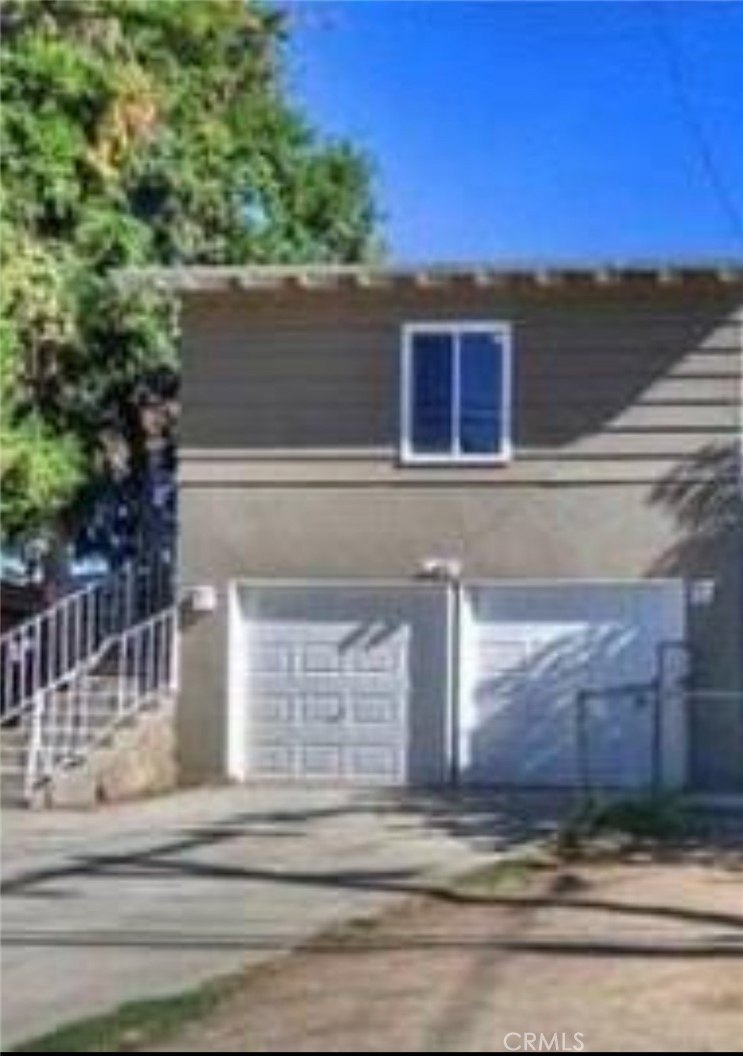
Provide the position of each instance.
(536, 129)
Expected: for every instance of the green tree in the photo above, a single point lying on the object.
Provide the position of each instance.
(138, 132)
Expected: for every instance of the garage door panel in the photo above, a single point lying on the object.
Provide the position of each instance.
(376, 708)
(376, 763)
(380, 659)
(318, 658)
(282, 715)
(322, 708)
(272, 760)
(325, 683)
(329, 648)
(319, 760)
(372, 762)
(270, 658)
(501, 656)
(270, 709)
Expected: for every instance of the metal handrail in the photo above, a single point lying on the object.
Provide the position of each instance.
(28, 705)
(67, 635)
(65, 725)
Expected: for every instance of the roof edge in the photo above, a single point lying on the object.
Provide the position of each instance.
(203, 279)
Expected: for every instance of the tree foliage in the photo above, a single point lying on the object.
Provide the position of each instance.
(138, 132)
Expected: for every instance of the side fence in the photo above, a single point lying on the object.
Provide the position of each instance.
(691, 739)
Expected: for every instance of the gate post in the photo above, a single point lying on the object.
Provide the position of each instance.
(455, 608)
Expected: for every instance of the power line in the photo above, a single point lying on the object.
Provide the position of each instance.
(695, 127)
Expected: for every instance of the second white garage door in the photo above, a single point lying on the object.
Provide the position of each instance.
(530, 651)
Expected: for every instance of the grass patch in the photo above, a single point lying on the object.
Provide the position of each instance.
(133, 1026)
(622, 824)
(508, 876)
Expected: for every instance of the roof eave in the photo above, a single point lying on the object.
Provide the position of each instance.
(197, 279)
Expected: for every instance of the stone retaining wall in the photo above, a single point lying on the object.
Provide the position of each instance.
(139, 760)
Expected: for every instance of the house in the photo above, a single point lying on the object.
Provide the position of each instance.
(473, 524)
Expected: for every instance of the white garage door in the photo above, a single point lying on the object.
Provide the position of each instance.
(530, 650)
(328, 700)
(328, 679)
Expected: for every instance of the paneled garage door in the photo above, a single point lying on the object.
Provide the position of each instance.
(329, 677)
(423, 682)
(529, 650)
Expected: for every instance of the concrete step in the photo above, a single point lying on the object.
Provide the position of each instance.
(13, 745)
(11, 759)
(13, 797)
(11, 785)
(12, 768)
(14, 748)
(66, 761)
(96, 714)
(97, 704)
(10, 742)
(13, 736)
(62, 699)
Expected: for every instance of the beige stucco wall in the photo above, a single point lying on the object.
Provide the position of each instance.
(626, 412)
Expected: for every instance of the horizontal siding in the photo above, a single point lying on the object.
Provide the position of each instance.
(675, 429)
(235, 337)
(377, 364)
(603, 384)
(582, 308)
(554, 386)
(230, 348)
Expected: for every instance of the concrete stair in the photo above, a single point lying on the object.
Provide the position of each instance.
(13, 747)
(84, 712)
(67, 737)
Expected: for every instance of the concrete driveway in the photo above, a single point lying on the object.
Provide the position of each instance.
(147, 899)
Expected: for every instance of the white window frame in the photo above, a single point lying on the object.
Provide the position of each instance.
(504, 332)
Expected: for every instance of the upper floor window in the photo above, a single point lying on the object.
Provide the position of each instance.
(456, 392)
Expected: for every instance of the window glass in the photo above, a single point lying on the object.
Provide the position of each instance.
(432, 379)
(480, 393)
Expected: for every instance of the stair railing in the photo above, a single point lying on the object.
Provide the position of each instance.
(39, 652)
(72, 716)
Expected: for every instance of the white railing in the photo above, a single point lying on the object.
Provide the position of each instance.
(36, 654)
(77, 712)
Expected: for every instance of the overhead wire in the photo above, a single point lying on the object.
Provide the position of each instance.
(697, 132)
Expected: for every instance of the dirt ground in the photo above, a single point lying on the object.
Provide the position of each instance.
(641, 955)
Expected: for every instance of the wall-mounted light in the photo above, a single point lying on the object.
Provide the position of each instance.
(202, 598)
(702, 592)
(440, 568)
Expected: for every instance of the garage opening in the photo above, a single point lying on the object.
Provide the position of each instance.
(562, 683)
(337, 682)
(487, 683)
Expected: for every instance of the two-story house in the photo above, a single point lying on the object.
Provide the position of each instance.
(473, 524)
